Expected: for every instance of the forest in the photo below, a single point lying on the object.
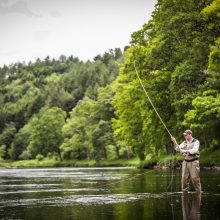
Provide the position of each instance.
(68, 109)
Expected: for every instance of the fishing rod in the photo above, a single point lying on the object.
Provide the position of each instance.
(171, 181)
(151, 101)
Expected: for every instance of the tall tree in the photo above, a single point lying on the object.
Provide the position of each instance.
(46, 136)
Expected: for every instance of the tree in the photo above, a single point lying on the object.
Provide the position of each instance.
(46, 136)
(204, 118)
(6, 138)
(101, 138)
(21, 141)
(77, 131)
(204, 115)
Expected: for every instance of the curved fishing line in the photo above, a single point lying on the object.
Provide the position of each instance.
(126, 179)
(151, 101)
(172, 169)
(171, 186)
(131, 178)
(171, 181)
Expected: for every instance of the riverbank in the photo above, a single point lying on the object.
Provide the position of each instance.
(68, 163)
(208, 160)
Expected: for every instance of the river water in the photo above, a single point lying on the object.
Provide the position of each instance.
(104, 194)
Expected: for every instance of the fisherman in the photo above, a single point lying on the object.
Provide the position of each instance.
(190, 166)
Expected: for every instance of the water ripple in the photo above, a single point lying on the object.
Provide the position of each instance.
(47, 191)
(80, 200)
(87, 199)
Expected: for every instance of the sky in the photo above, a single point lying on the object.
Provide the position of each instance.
(31, 29)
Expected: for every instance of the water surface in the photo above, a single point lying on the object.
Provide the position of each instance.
(104, 193)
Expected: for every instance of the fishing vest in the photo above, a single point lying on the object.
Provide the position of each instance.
(188, 146)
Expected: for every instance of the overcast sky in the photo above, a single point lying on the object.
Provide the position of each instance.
(31, 29)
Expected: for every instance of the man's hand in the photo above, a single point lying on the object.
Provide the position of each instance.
(184, 151)
(174, 140)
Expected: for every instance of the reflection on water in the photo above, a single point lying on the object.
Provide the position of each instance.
(191, 206)
(104, 193)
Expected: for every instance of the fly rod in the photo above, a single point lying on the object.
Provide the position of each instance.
(171, 181)
(151, 101)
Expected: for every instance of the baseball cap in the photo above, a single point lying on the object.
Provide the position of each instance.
(187, 132)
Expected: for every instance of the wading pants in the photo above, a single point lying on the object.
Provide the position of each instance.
(190, 171)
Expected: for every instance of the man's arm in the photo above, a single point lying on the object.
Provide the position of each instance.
(194, 150)
(177, 146)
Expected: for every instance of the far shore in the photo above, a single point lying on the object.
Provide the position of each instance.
(165, 162)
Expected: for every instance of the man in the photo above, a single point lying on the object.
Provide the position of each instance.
(190, 166)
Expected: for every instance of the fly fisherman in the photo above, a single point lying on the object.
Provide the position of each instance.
(190, 166)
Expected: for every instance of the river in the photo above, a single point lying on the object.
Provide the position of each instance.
(104, 194)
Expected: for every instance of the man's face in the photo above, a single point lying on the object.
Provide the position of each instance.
(188, 137)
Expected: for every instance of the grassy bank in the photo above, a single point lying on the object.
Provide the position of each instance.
(69, 163)
(207, 159)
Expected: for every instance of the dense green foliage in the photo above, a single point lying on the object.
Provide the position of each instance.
(58, 108)
(74, 110)
(177, 54)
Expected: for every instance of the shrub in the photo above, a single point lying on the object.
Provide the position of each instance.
(39, 157)
(25, 155)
